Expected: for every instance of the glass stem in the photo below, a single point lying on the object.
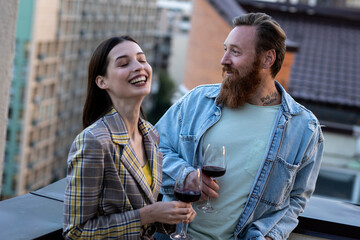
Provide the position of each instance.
(208, 205)
(183, 230)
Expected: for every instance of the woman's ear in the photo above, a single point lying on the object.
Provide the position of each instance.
(269, 58)
(100, 82)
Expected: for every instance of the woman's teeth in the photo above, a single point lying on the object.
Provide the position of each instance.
(138, 80)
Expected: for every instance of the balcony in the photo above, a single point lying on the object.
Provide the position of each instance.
(39, 215)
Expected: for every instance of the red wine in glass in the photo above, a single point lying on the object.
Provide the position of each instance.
(213, 165)
(186, 195)
(188, 187)
(213, 171)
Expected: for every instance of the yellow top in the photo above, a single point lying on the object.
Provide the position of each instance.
(147, 172)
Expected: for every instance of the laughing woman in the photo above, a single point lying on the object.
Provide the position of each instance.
(114, 164)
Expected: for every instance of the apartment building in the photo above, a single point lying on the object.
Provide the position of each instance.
(54, 42)
(172, 36)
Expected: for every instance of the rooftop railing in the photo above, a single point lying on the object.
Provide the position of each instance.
(39, 215)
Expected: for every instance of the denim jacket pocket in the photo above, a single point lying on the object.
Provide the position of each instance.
(280, 182)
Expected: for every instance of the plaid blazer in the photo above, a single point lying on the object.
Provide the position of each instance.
(106, 184)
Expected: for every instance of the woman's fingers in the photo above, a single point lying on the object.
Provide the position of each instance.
(191, 216)
(187, 212)
(172, 212)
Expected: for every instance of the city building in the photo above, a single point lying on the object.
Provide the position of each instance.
(54, 42)
(320, 71)
(172, 37)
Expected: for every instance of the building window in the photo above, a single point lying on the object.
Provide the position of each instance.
(339, 184)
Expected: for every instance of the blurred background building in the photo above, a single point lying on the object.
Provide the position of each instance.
(54, 42)
(172, 39)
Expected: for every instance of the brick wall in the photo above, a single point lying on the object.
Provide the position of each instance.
(205, 49)
(283, 76)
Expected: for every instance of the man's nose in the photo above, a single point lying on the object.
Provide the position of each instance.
(225, 59)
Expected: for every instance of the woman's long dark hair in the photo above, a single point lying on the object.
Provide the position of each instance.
(98, 102)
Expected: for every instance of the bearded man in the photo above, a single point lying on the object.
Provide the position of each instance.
(273, 144)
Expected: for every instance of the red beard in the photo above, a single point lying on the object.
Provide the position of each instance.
(236, 89)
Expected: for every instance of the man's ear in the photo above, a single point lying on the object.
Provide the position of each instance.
(269, 58)
(100, 81)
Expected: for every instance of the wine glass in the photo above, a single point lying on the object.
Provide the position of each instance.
(187, 191)
(213, 165)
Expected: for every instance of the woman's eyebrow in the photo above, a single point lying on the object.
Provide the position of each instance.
(126, 56)
(120, 57)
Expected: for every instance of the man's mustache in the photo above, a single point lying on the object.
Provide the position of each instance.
(228, 68)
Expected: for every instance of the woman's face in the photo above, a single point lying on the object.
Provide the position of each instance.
(128, 74)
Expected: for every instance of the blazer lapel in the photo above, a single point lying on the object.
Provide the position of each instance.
(154, 157)
(129, 160)
(120, 136)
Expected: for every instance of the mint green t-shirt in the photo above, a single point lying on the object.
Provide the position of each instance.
(244, 132)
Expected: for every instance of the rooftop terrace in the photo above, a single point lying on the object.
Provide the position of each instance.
(39, 215)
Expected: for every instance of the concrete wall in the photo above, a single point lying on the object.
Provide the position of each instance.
(8, 13)
(177, 61)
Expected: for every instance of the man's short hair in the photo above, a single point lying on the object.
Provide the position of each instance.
(269, 35)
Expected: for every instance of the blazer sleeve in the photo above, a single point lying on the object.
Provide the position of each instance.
(82, 219)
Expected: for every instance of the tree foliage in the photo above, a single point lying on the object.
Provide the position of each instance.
(162, 99)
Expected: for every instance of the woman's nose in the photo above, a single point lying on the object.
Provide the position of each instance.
(138, 66)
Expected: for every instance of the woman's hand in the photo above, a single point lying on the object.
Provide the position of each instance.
(167, 212)
(192, 215)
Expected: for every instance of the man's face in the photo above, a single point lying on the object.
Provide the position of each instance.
(239, 49)
(241, 67)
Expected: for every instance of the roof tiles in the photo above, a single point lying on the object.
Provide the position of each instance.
(327, 65)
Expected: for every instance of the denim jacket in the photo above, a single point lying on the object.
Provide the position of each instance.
(287, 176)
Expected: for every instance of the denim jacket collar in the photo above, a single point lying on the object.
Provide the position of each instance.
(214, 93)
(287, 102)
